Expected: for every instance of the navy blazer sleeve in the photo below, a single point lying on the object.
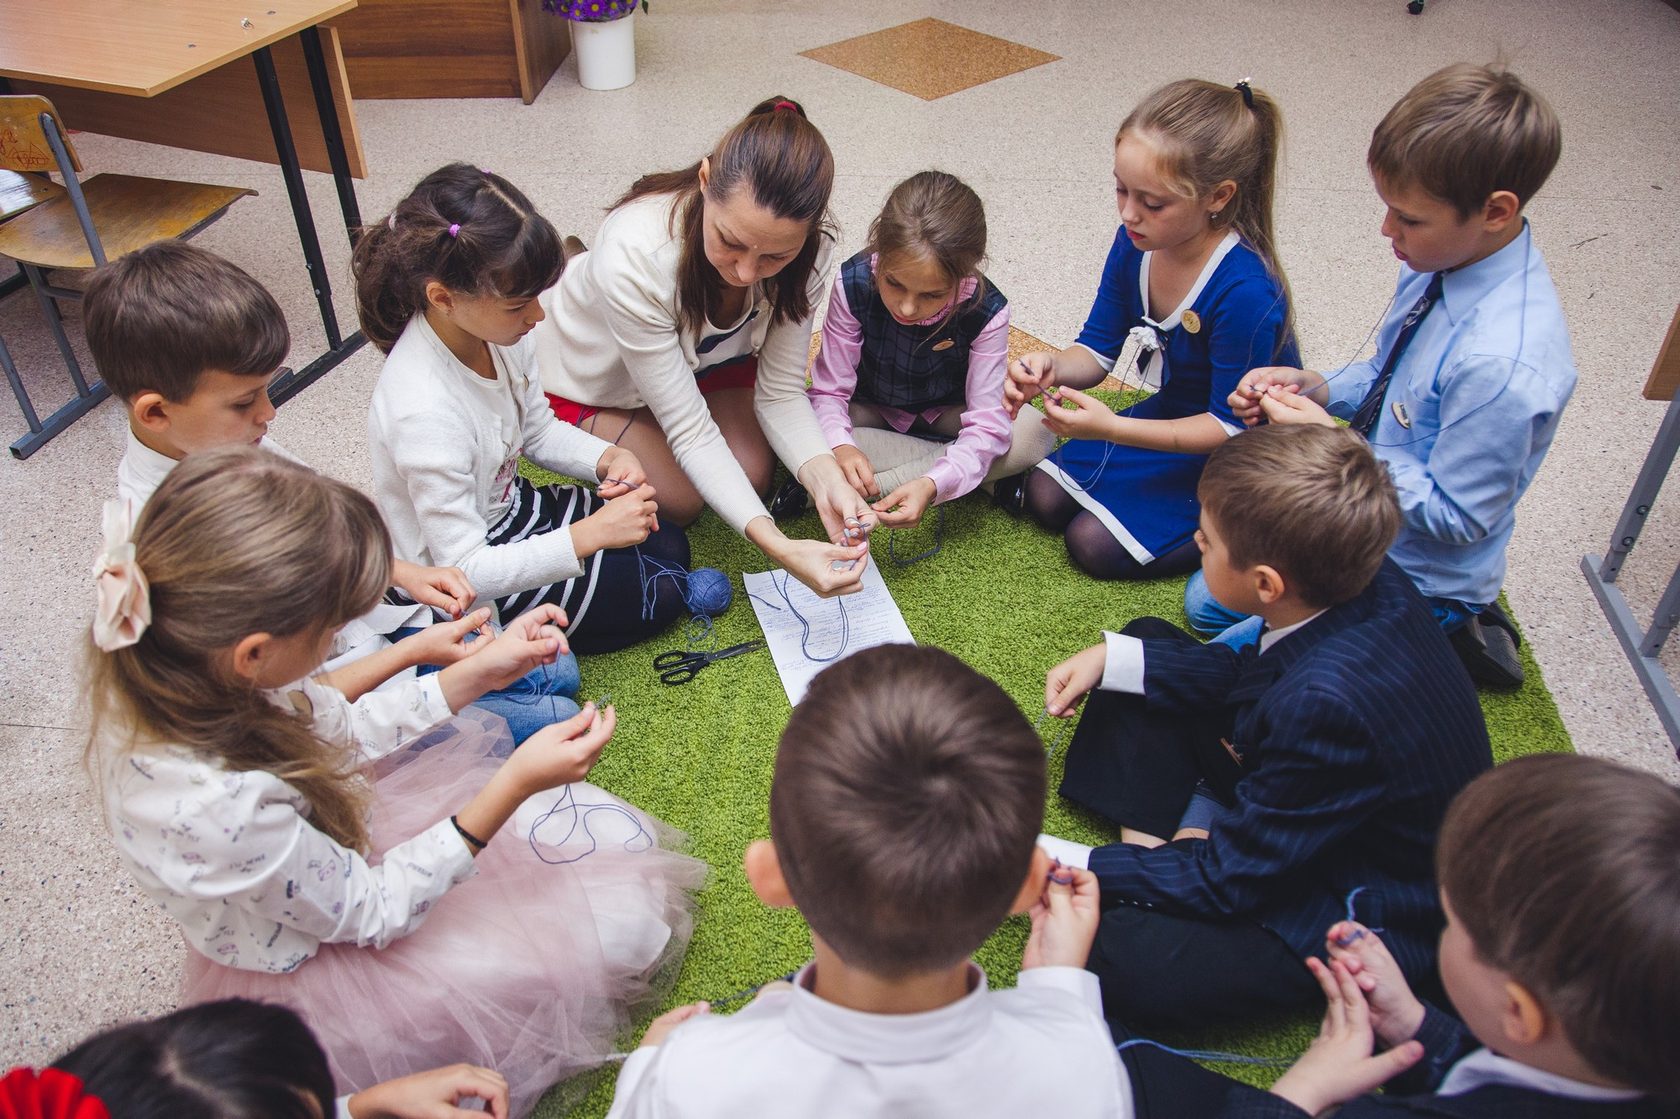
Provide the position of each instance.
(1316, 776)
(1188, 676)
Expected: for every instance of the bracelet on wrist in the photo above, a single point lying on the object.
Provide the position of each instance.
(473, 841)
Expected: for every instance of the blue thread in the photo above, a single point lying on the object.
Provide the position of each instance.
(698, 633)
(650, 582)
(568, 802)
(1353, 918)
(746, 993)
(805, 623)
(524, 691)
(1207, 1054)
(938, 541)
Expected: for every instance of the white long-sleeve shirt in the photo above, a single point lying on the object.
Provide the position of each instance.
(612, 340)
(232, 857)
(445, 445)
(1040, 1049)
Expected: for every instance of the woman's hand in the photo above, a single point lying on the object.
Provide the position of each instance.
(854, 464)
(1089, 419)
(828, 569)
(619, 472)
(835, 499)
(907, 504)
(620, 523)
(444, 588)
(1027, 376)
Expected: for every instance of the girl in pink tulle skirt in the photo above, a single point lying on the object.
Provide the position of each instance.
(384, 863)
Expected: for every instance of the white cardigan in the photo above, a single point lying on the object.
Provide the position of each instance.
(441, 458)
(611, 340)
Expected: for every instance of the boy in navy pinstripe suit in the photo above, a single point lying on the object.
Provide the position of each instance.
(1559, 953)
(1265, 793)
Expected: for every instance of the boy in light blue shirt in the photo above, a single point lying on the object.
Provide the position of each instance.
(1473, 364)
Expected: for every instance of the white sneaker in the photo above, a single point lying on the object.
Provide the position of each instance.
(1067, 851)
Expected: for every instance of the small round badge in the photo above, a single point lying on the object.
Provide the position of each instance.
(1192, 322)
(945, 345)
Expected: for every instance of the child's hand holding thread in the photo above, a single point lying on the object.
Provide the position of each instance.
(1028, 375)
(1069, 682)
(560, 753)
(445, 643)
(1090, 418)
(620, 523)
(442, 588)
(534, 638)
(1064, 919)
(1245, 399)
(854, 464)
(1339, 1065)
(619, 472)
(1282, 404)
(1396, 1013)
(907, 504)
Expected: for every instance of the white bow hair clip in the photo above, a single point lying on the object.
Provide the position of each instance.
(124, 606)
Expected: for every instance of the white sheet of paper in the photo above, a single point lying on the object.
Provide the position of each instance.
(871, 618)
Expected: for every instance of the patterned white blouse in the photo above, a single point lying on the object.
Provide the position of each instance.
(231, 854)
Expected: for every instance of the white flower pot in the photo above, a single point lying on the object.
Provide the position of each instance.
(606, 52)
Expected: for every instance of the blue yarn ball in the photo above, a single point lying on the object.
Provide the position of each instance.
(709, 591)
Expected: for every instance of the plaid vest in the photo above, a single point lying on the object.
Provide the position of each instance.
(913, 368)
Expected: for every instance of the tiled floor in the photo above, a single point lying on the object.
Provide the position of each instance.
(79, 946)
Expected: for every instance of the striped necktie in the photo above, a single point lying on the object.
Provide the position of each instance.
(1370, 409)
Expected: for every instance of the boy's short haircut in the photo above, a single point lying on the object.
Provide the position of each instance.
(1465, 132)
(906, 803)
(1312, 502)
(160, 318)
(1564, 873)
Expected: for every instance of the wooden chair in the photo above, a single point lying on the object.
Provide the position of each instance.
(78, 225)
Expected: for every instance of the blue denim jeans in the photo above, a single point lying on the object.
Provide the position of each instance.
(1207, 616)
(542, 696)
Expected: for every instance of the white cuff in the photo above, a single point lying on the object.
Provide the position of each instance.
(1123, 671)
(1103, 360)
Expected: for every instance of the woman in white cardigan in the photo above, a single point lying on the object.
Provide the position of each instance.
(683, 337)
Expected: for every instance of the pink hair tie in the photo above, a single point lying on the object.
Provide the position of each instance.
(455, 229)
(784, 105)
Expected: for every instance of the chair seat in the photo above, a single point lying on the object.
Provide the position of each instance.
(129, 213)
(20, 192)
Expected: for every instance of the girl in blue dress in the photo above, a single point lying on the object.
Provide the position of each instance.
(1191, 298)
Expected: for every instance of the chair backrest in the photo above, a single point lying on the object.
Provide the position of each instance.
(23, 139)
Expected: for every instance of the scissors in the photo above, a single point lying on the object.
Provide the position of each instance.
(679, 667)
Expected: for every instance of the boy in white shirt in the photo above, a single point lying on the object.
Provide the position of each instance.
(189, 342)
(907, 798)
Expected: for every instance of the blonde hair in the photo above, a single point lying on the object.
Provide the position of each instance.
(934, 216)
(1465, 132)
(239, 541)
(1204, 134)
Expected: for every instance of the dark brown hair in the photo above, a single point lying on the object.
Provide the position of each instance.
(1465, 132)
(934, 216)
(1564, 873)
(500, 247)
(783, 162)
(237, 541)
(1311, 501)
(1205, 133)
(907, 798)
(159, 318)
(231, 1059)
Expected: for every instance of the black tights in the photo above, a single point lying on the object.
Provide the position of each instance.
(1091, 547)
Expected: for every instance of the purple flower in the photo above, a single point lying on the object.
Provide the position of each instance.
(592, 11)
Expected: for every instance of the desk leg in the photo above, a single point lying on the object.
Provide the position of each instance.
(316, 59)
(292, 382)
(1644, 494)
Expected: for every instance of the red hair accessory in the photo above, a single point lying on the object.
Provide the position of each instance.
(784, 105)
(49, 1094)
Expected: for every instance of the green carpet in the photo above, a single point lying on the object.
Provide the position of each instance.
(1003, 597)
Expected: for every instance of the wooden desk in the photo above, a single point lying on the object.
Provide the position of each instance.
(151, 70)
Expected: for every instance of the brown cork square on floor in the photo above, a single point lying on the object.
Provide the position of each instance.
(930, 58)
